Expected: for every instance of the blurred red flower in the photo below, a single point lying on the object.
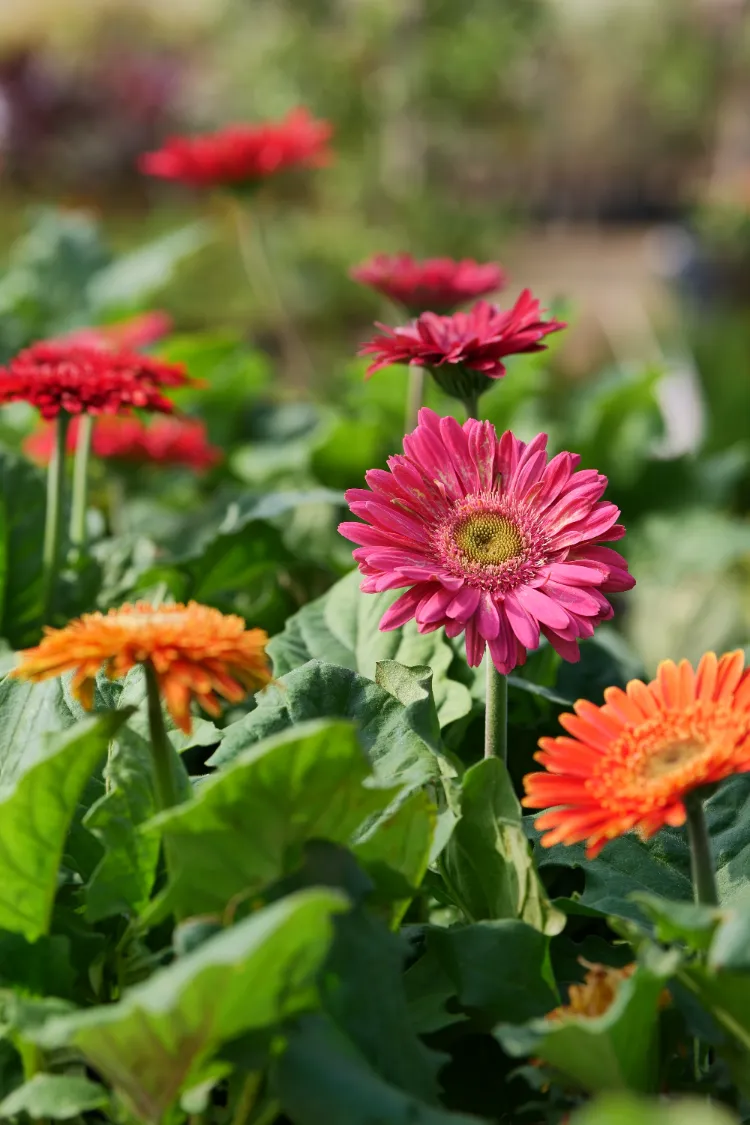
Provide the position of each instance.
(55, 376)
(477, 340)
(167, 441)
(437, 284)
(136, 332)
(241, 154)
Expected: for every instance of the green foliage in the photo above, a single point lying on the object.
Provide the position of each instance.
(59, 1096)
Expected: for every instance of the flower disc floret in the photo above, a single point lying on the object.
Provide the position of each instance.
(195, 651)
(490, 539)
(631, 763)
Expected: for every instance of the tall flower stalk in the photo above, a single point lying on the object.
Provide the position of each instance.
(79, 498)
(496, 714)
(701, 859)
(53, 526)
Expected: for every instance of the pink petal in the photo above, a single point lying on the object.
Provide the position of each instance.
(525, 627)
(464, 603)
(402, 610)
(487, 618)
(543, 608)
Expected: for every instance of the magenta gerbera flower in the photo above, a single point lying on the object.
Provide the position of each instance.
(477, 340)
(438, 284)
(490, 538)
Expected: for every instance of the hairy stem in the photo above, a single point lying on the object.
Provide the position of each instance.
(496, 714)
(80, 482)
(701, 860)
(53, 518)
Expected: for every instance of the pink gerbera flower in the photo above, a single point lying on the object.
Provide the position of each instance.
(439, 284)
(490, 538)
(477, 340)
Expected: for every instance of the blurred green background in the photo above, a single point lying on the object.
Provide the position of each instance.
(600, 149)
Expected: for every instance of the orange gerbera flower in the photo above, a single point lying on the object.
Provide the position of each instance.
(631, 763)
(196, 653)
(596, 995)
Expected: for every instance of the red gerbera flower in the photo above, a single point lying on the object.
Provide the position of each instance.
(134, 333)
(166, 441)
(241, 154)
(474, 341)
(87, 380)
(439, 284)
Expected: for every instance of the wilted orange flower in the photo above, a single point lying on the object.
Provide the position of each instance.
(196, 653)
(631, 763)
(597, 993)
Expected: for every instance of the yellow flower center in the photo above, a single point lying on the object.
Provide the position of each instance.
(488, 538)
(671, 757)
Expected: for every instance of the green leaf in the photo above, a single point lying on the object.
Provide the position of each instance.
(661, 865)
(625, 1109)
(730, 948)
(58, 1096)
(39, 968)
(376, 1019)
(615, 1051)
(318, 690)
(152, 1044)
(34, 819)
(501, 969)
(22, 507)
(342, 628)
(28, 714)
(413, 688)
(321, 1079)
(687, 922)
(487, 862)
(247, 825)
(135, 276)
(400, 841)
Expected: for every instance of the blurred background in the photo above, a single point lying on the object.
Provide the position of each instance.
(599, 149)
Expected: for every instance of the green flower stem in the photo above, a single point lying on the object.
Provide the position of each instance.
(53, 518)
(496, 714)
(166, 792)
(414, 397)
(471, 402)
(701, 860)
(260, 274)
(80, 482)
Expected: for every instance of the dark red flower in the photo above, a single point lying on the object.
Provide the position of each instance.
(87, 380)
(136, 332)
(166, 441)
(437, 284)
(477, 340)
(241, 154)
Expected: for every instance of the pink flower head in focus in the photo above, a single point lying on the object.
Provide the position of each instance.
(132, 334)
(477, 340)
(439, 284)
(490, 538)
(166, 441)
(241, 154)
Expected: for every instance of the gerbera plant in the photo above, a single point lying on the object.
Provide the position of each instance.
(127, 438)
(64, 380)
(236, 161)
(437, 285)
(647, 758)
(464, 352)
(189, 652)
(490, 539)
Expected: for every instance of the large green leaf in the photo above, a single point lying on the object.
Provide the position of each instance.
(321, 1079)
(133, 277)
(400, 843)
(615, 1051)
(661, 865)
(34, 818)
(342, 628)
(487, 863)
(123, 879)
(28, 713)
(376, 1019)
(247, 825)
(22, 506)
(626, 1109)
(501, 969)
(56, 1096)
(151, 1043)
(317, 690)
